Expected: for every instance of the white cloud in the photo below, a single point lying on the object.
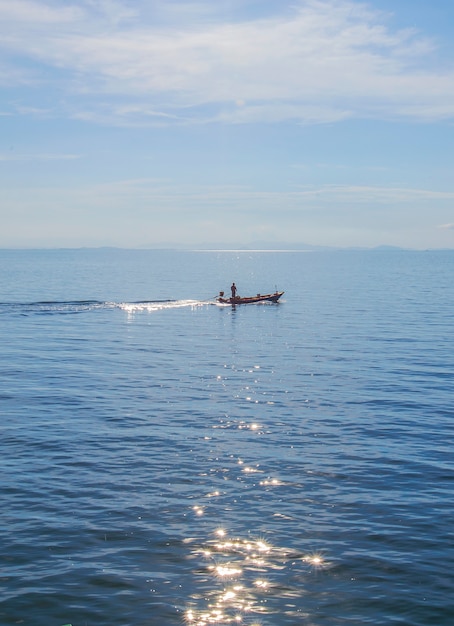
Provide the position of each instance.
(152, 194)
(12, 156)
(122, 213)
(381, 195)
(322, 61)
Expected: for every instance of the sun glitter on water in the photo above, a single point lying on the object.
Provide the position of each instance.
(316, 560)
(237, 578)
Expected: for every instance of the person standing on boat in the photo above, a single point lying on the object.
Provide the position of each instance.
(233, 290)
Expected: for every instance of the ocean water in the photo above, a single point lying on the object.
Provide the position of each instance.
(168, 461)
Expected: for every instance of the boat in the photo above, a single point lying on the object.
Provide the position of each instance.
(268, 297)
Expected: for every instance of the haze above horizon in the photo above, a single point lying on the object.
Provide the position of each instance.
(132, 124)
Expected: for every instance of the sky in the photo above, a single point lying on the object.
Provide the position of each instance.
(144, 123)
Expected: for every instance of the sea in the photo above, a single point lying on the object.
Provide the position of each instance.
(169, 461)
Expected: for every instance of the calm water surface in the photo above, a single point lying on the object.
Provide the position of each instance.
(169, 461)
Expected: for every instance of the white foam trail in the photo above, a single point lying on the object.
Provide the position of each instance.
(133, 307)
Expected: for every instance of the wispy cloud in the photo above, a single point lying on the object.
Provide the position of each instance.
(379, 194)
(316, 61)
(12, 156)
(123, 212)
(152, 194)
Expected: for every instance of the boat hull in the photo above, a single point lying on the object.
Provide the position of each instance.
(269, 297)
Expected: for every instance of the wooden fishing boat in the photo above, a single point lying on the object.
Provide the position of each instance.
(269, 297)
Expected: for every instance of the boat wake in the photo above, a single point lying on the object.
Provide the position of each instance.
(159, 305)
(80, 306)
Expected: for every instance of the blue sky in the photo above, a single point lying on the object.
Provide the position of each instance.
(152, 122)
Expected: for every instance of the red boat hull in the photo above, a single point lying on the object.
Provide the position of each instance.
(269, 297)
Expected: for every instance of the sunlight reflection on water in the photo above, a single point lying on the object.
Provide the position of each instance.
(139, 307)
(238, 577)
(126, 421)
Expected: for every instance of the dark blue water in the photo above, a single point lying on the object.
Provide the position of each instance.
(165, 460)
